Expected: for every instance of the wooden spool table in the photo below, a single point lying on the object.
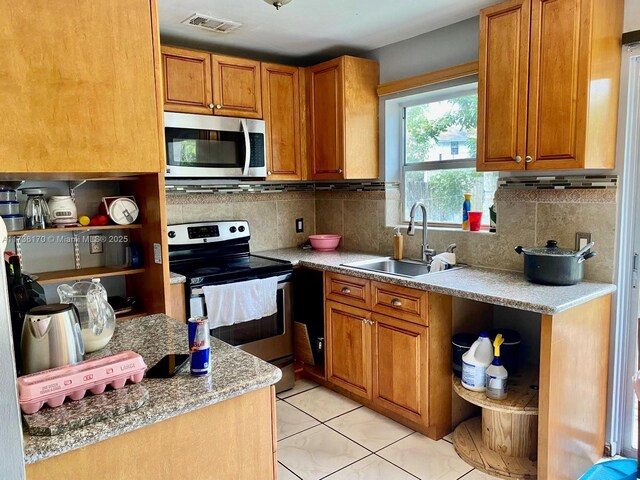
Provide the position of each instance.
(504, 441)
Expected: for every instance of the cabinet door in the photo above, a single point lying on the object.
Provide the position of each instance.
(78, 89)
(187, 81)
(327, 120)
(281, 103)
(503, 78)
(558, 95)
(237, 90)
(348, 341)
(400, 370)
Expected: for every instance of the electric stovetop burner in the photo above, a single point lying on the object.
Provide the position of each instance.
(218, 252)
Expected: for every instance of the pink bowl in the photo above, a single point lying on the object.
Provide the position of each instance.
(325, 243)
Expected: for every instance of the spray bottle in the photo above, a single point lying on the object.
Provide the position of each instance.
(497, 375)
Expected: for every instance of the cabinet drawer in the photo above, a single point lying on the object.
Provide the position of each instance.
(349, 290)
(400, 302)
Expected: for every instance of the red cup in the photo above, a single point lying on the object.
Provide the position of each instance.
(475, 219)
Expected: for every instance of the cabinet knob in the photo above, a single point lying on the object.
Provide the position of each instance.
(396, 302)
(339, 170)
(365, 321)
(346, 290)
(518, 159)
(211, 105)
(218, 106)
(268, 172)
(528, 159)
(371, 322)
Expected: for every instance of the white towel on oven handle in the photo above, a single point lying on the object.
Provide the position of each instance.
(239, 302)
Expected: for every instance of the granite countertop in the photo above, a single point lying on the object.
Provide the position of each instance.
(233, 373)
(498, 287)
(176, 278)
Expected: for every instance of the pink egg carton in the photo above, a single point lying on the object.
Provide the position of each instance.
(54, 385)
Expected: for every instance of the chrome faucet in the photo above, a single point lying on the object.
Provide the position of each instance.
(427, 253)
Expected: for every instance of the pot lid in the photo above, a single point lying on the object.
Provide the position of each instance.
(551, 250)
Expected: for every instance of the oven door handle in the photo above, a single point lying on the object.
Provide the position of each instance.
(247, 149)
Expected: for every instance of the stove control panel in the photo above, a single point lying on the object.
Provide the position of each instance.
(207, 232)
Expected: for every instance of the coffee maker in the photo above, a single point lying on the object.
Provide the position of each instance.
(24, 294)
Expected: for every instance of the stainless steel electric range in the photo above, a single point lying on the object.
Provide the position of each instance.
(214, 253)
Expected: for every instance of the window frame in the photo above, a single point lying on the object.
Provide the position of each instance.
(441, 94)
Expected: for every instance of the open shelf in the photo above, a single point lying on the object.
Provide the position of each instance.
(522, 396)
(467, 441)
(51, 231)
(76, 274)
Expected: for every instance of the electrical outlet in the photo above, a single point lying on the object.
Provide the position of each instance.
(582, 240)
(95, 244)
(299, 225)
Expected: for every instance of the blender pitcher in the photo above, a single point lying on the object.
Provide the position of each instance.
(97, 318)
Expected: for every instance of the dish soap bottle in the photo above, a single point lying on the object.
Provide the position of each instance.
(398, 241)
(466, 208)
(496, 374)
(475, 363)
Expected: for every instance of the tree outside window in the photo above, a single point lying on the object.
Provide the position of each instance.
(439, 159)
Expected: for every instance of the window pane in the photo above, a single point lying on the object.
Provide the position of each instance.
(442, 191)
(444, 130)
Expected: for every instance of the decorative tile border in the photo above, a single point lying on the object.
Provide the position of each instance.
(354, 186)
(183, 187)
(574, 195)
(210, 187)
(560, 182)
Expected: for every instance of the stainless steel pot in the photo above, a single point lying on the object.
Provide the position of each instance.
(552, 265)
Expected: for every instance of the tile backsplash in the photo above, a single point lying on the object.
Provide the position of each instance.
(271, 216)
(525, 217)
(364, 218)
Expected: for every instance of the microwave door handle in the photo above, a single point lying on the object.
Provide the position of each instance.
(247, 155)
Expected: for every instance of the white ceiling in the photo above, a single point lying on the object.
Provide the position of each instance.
(311, 28)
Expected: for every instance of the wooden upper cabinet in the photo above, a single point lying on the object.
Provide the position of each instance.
(281, 104)
(78, 88)
(574, 52)
(187, 80)
(503, 81)
(237, 88)
(348, 348)
(343, 128)
(400, 367)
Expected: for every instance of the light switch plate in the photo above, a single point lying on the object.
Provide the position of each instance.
(299, 225)
(157, 253)
(582, 239)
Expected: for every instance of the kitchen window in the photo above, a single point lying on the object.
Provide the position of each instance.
(439, 156)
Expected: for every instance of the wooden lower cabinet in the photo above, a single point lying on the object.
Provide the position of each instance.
(379, 350)
(348, 340)
(240, 444)
(176, 306)
(400, 367)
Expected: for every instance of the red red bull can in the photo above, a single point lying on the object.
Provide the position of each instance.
(199, 345)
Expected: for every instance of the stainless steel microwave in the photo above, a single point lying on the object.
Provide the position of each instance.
(215, 147)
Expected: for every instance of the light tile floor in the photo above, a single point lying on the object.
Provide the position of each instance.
(323, 435)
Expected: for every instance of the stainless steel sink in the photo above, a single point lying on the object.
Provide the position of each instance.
(402, 268)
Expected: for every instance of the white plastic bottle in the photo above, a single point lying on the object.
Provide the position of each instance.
(496, 374)
(475, 363)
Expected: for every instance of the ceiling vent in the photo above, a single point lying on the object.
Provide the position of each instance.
(212, 24)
